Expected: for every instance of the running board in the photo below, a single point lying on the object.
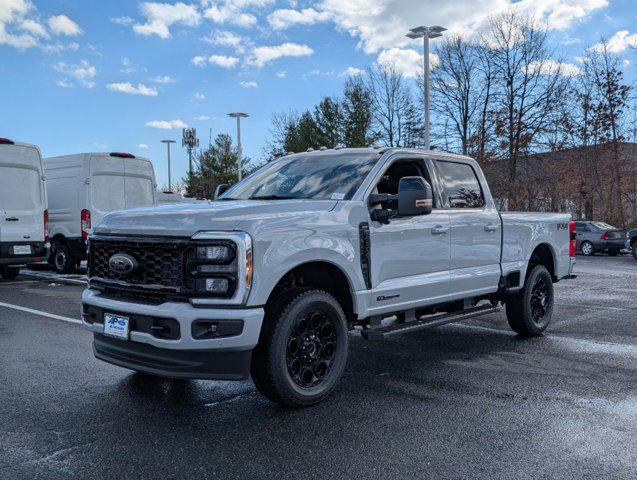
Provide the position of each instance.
(380, 333)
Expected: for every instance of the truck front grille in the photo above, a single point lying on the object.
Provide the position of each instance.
(160, 263)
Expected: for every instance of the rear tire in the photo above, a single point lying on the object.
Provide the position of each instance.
(63, 261)
(302, 349)
(587, 248)
(529, 312)
(9, 273)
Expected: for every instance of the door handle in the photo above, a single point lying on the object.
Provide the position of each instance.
(492, 227)
(439, 230)
(12, 219)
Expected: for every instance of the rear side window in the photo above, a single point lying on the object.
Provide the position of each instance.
(461, 185)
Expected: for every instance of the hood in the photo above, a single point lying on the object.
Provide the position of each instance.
(184, 220)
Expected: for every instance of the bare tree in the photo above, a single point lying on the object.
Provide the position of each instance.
(393, 112)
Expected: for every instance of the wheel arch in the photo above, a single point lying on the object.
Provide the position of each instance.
(543, 254)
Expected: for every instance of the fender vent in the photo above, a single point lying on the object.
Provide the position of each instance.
(365, 249)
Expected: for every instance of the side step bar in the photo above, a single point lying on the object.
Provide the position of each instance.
(380, 333)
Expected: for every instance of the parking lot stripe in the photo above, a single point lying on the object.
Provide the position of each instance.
(41, 313)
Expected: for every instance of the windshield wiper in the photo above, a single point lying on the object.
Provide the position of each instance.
(274, 197)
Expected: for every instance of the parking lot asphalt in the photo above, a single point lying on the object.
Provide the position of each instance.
(468, 400)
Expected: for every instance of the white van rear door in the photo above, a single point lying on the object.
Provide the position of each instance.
(107, 186)
(139, 183)
(21, 194)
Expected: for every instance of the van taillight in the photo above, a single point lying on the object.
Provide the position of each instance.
(6, 141)
(86, 223)
(46, 225)
(572, 244)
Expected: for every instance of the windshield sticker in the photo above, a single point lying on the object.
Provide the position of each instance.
(338, 196)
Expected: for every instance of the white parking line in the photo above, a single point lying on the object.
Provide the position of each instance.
(40, 312)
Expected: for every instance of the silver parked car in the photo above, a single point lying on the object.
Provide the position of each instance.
(599, 237)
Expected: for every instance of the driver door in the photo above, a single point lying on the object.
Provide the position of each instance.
(410, 256)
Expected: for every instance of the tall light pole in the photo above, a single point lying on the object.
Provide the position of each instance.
(168, 142)
(190, 141)
(426, 33)
(238, 116)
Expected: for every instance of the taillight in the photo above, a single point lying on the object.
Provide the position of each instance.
(604, 236)
(572, 244)
(86, 223)
(46, 225)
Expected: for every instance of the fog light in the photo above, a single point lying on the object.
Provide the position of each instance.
(217, 285)
(217, 253)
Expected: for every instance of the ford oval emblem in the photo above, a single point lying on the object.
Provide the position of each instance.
(122, 264)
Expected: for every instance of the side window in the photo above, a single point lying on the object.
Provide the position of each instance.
(461, 185)
(401, 168)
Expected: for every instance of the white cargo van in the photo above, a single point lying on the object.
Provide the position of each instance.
(23, 214)
(82, 188)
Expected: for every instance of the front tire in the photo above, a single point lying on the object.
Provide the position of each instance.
(9, 273)
(302, 350)
(587, 249)
(529, 312)
(63, 261)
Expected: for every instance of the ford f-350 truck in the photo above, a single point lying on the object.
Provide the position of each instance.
(268, 279)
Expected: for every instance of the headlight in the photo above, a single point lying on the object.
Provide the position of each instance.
(217, 253)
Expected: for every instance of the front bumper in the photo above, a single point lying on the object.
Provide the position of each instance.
(182, 355)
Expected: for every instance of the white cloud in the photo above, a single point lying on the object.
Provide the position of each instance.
(160, 17)
(199, 96)
(129, 88)
(142, 146)
(619, 42)
(551, 67)
(162, 79)
(223, 61)
(250, 84)
(233, 11)
(406, 61)
(199, 61)
(63, 25)
(82, 73)
(166, 124)
(281, 74)
(202, 118)
(227, 39)
(60, 47)
(124, 21)
(285, 17)
(12, 14)
(263, 55)
(64, 84)
(34, 28)
(351, 72)
(382, 24)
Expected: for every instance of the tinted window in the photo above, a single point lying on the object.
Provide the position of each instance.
(581, 227)
(321, 177)
(461, 185)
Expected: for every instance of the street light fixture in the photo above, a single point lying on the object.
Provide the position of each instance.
(426, 33)
(168, 142)
(238, 116)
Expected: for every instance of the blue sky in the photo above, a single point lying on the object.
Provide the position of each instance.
(102, 76)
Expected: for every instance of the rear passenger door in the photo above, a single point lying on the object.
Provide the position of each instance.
(475, 235)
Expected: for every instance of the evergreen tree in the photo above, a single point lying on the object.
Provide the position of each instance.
(357, 114)
(329, 122)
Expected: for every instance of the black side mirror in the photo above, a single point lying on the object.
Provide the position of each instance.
(221, 189)
(415, 197)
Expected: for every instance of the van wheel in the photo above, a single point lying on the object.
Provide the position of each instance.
(9, 273)
(63, 262)
(587, 248)
(530, 311)
(302, 349)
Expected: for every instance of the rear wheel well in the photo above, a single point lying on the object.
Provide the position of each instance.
(58, 238)
(320, 275)
(543, 255)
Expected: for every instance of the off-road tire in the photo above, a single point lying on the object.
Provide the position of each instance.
(522, 308)
(9, 273)
(271, 370)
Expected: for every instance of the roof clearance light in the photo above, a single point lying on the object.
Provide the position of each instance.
(122, 155)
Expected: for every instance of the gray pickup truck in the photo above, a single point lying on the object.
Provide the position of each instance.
(268, 279)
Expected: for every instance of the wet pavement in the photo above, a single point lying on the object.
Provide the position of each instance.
(467, 400)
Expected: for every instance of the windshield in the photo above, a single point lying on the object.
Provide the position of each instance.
(319, 177)
(603, 226)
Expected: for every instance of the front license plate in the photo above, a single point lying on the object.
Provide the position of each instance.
(22, 249)
(116, 326)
